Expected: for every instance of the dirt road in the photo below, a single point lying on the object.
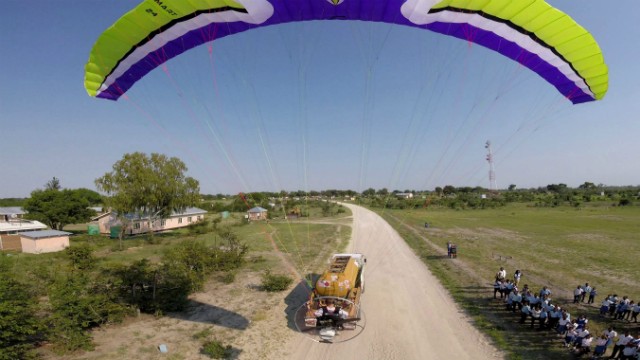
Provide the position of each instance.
(409, 315)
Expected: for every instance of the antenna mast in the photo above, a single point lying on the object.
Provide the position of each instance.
(492, 173)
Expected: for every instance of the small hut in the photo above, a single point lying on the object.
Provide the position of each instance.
(44, 241)
(257, 213)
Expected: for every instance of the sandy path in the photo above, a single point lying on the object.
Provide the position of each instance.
(409, 314)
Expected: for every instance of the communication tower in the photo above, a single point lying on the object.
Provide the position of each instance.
(492, 173)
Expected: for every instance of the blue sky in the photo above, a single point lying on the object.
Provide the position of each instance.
(313, 106)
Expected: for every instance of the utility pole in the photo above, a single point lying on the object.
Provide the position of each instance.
(492, 173)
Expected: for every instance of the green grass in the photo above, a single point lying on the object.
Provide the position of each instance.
(557, 247)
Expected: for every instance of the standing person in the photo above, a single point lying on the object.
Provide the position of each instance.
(621, 344)
(503, 288)
(563, 325)
(611, 335)
(554, 317)
(535, 315)
(584, 347)
(448, 248)
(604, 307)
(621, 309)
(545, 292)
(586, 289)
(516, 301)
(592, 295)
(525, 311)
(629, 352)
(516, 277)
(544, 315)
(501, 274)
(613, 304)
(577, 293)
(601, 346)
(634, 312)
(496, 288)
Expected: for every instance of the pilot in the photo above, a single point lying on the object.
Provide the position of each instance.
(330, 311)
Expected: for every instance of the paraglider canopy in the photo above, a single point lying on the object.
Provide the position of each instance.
(530, 32)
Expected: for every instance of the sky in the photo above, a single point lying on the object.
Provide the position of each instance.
(313, 106)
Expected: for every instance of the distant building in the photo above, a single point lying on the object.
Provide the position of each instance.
(12, 221)
(140, 225)
(257, 213)
(405, 195)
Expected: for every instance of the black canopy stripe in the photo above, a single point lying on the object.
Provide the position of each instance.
(168, 25)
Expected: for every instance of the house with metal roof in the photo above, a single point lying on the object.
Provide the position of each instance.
(12, 221)
(109, 221)
(44, 241)
(257, 213)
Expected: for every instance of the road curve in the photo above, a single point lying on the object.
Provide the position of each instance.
(409, 315)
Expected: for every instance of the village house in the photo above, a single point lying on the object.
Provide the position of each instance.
(12, 221)
(257, 213)
(109, 221)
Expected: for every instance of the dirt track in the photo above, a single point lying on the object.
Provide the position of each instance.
(409, 315)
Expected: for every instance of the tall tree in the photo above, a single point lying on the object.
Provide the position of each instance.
(53, 184)
(148, 187)
(58, 208)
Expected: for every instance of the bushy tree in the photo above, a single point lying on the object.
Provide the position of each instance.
(80, 302)
(58, 208)
(148, 187)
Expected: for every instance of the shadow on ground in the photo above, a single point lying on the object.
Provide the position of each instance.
(209, 314)
(296, 298)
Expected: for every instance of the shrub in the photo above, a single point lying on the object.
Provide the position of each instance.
(274, 283)
(228, 277)
(202, 334)
(199, 228)
(81, 256)
(624, 202)
(215, 350)
(18, 321)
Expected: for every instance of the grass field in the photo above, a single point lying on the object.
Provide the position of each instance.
(556, 247)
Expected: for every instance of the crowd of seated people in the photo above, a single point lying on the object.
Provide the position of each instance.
(537, 309)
